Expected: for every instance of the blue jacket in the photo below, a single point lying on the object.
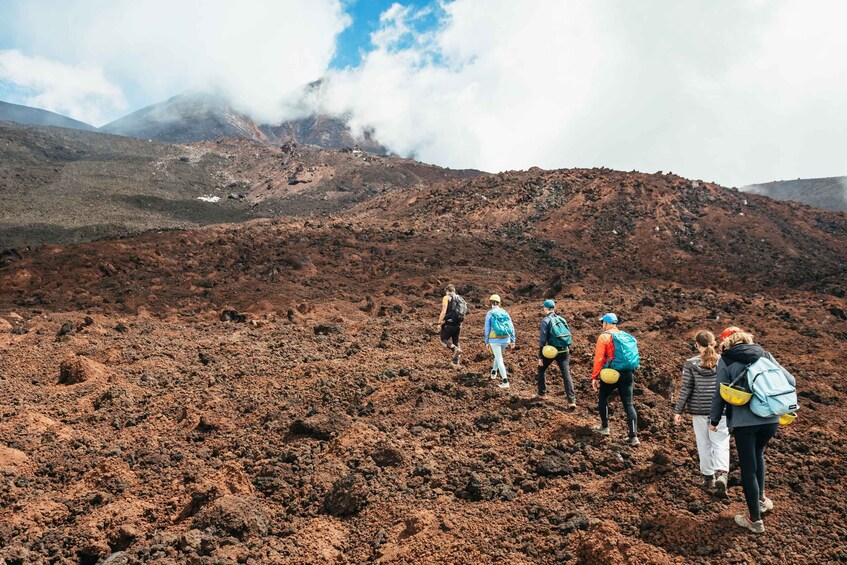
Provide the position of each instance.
(498, 340)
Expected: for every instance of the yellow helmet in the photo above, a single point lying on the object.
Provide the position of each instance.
(609, 376)
(549, 352)
(735, 396)
(495, 298)
(786, 419)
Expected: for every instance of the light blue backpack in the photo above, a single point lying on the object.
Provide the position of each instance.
(773, 392)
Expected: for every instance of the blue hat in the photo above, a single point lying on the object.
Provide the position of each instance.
(609, 318)
(549, 303)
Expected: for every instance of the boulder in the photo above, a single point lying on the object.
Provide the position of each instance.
(238, 516)
(81, 369)
(348, 496)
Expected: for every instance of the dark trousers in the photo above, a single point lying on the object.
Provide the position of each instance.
(449, 335)
(564, 362)
(624, 388)
(750, 442)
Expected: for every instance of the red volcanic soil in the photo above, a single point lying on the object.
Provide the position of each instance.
(274, 392)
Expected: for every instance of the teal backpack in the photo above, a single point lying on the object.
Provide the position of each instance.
(627, 357)
(559, 333)
(501, 324)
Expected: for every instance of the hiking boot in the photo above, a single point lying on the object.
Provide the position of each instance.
(494, 374)
(601, 430)
(456, 354)
(745, 522)
(709, 483)
(765, 505)
(571, 405)
(720, 484)
(633, 441)
(504, 384)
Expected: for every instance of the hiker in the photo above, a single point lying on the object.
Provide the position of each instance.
(616, 353)
(499, 333)
(696, 392)
(554, 333)
(453, 310)
(752, 432)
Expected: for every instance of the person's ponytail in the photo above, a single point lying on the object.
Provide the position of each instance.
(709, 357)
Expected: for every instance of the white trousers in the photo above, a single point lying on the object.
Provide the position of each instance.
(713, 447)
(499, 365)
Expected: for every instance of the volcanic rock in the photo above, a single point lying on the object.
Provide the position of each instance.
(238, 516)
(348, 496)
(80, 369)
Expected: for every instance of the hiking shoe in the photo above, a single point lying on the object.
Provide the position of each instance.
(633, 441)
(765, 505)
(504, 384)
(601, 430)
(456, 357)
(571, 405)
(539, 396)
(494, 374)
(709, 483)
(745, 522)
(720, 485)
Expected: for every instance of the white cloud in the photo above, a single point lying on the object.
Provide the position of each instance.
(80, 92)
(258, 52)
(737, 92)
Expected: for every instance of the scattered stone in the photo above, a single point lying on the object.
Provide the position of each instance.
(233, 316)
(328, 329)
(554, 464)
(81, 369)
(385, 455)
(237, 516)
(66, 329)
(321, 426)
(348, 496)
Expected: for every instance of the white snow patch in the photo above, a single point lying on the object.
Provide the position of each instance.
(212, 199)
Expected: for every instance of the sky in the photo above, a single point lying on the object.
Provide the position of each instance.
(731, 91)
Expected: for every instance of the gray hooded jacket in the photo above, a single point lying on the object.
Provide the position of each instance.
(698, 388)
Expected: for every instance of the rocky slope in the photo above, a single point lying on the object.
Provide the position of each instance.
(196, 116)
(61, 185)
(273, 392)
(27, 115)
(829, 193)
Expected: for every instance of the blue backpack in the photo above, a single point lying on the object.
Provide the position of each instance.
(627, 357)
(773, 393)
(501, 324)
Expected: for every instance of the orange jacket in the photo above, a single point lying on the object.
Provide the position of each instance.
(604, 351)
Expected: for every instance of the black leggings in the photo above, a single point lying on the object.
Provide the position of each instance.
(563, 360)
(624, 388)
(750, 442)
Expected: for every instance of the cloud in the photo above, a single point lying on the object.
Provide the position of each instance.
(81, 92)
(257, 52)
(737, 92)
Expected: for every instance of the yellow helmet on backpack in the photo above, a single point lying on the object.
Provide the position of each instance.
(735, 396)
(786, 419)
(609, 376)
(549, 352)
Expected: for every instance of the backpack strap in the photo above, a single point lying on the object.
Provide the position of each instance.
(742, 374)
